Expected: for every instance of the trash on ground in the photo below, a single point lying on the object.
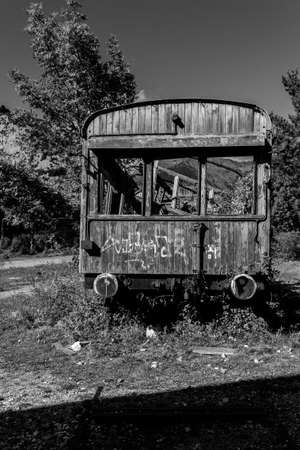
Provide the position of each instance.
(76, 347)
(154, 365)
(151, 333)
(66, 350)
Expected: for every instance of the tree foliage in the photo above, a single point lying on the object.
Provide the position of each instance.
(75, 79)
(286, 162)
(40, 179)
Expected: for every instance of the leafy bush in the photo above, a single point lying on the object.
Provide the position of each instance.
(286, 245)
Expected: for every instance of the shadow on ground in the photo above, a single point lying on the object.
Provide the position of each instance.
(260, 414)
(282, 310)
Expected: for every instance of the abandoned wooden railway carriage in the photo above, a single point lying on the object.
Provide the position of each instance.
(175, 197)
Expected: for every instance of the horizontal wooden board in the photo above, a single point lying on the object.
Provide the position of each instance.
(165, 141)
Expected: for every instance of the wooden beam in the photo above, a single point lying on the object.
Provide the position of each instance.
(175, 192)
(167, 141)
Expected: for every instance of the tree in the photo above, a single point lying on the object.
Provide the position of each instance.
(286, 162)
(74, 81)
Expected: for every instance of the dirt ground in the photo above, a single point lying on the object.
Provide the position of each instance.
(158, 396)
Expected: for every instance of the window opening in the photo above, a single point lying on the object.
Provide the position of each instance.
(230, 185)
(175, 186)
(120, 186)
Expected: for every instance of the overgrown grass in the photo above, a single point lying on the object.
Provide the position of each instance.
(60, 309)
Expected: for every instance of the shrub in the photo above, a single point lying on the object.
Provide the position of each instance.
(286, 245)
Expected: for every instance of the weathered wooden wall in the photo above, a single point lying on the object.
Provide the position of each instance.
(167, 247)
(199, 117)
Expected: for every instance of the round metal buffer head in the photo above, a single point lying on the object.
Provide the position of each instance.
(106, 285)
(243, 286)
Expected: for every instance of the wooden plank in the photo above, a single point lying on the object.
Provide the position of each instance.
(116, 122)
(141, 120)
(108, 199)
(154, 119)
(135, 121)
(109, 123)
(148, 192)
(257, 115)
(230, 248)
(121, 205)
(203, 168)
(148, 119)
(235, 119)
(83, 207)
(97, 125)
(175, 191)
(161, 141)
(224, 247)
(155, 169)
(229, 120)
(181, 113)
(249, 118)
(215, 351)
(128, 121)
(222, 125)
(214, 119)
(170, 127)
(122, 122)
(162, 119)
(102, 125)
(195, 118)
(100, 207)
(244, 230)
(242, 120)
(188, 118)
(93, 173)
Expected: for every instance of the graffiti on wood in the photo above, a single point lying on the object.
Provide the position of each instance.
(146, 250)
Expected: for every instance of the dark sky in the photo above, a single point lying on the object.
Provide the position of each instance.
(227, 49)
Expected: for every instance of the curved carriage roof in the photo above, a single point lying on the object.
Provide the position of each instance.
(198, 116)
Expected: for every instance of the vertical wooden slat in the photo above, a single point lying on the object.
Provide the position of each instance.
(162, 119)
(128, 120)
(203, 186)
(122, 122)
(222, 119)
(201, 125)
(188, 118)
(170, 127)
(102, 125)
(180, 112)
(135, 123)
(224, 247)
(229, 120)
(108, 199)
(235, 119)
(148, 119)
(83, 207)
(155, 169)
(242, 120)
(97, 126)
(175, 191)
(214, 119)
(141, 120)
(208, 118)
(109, 123)
(154, 120)
(100, 191)
(194, 117)
(148, 188)
(116, 122)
